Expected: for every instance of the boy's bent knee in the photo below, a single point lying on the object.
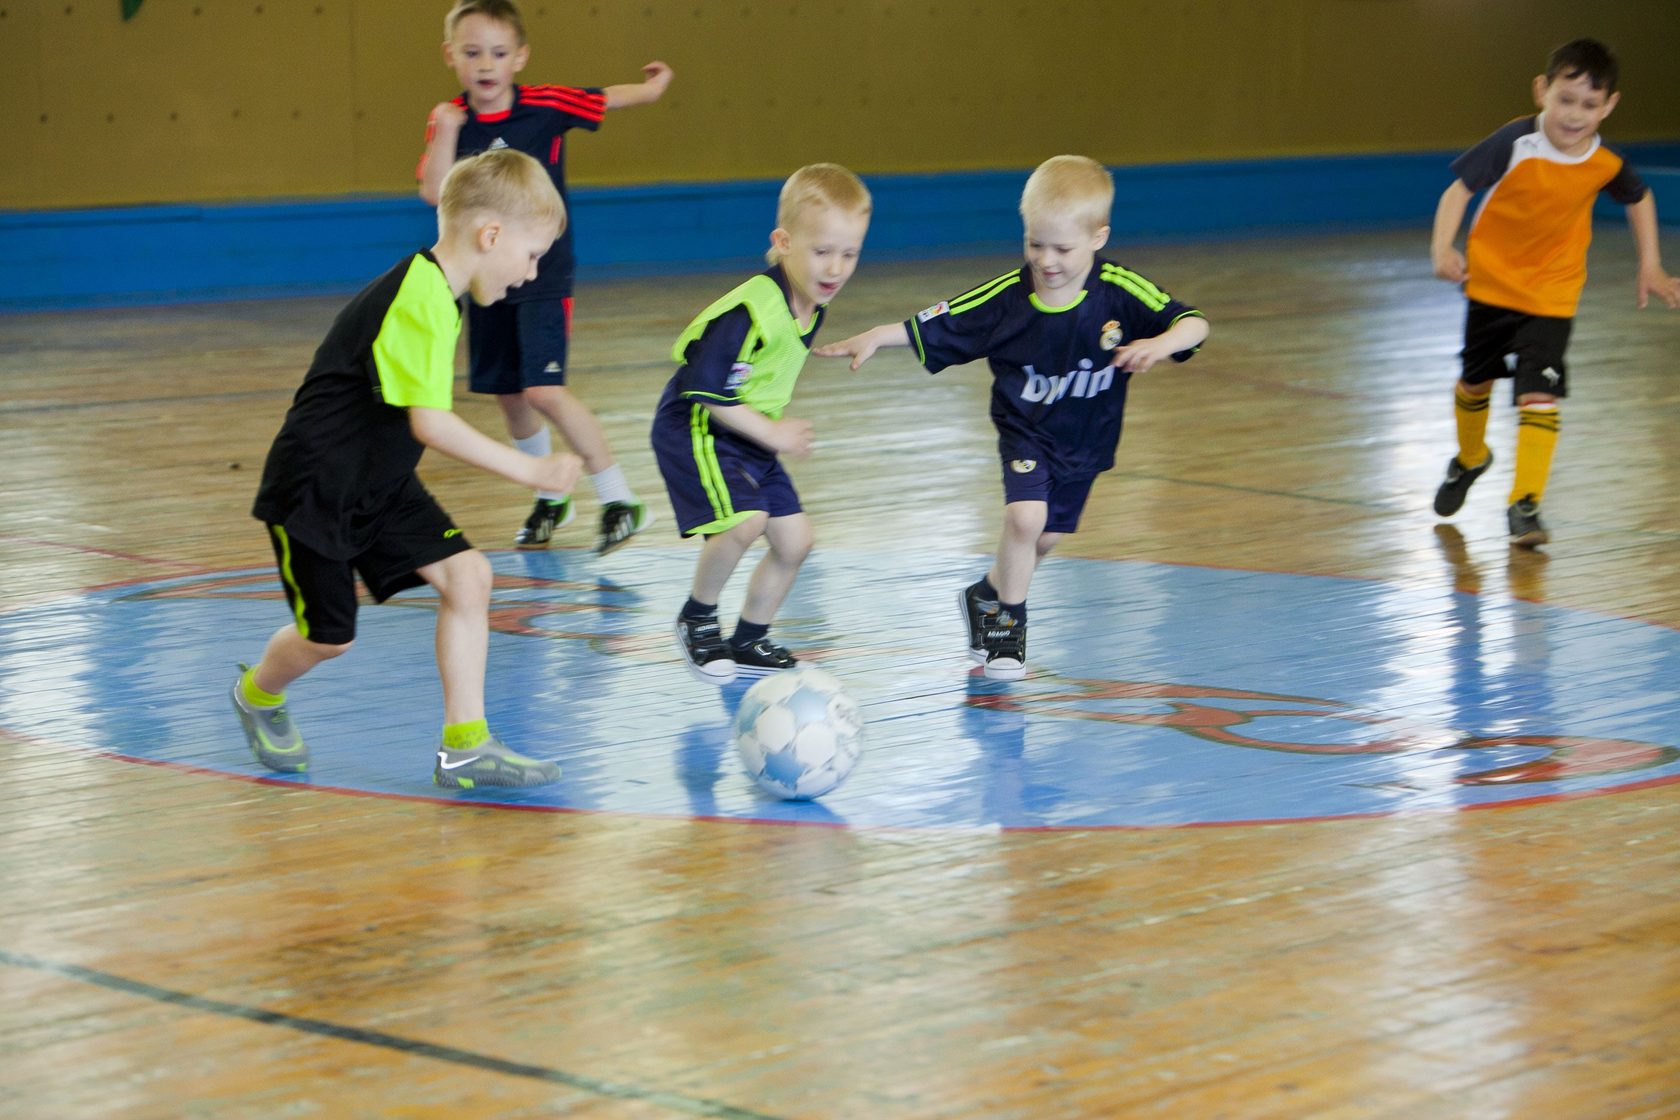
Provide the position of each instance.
(465, 573)
(326, 651)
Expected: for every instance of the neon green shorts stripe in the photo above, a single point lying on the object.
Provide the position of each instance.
(705, 461)
(290, 581)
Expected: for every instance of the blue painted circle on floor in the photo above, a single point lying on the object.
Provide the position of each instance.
(1157, 695)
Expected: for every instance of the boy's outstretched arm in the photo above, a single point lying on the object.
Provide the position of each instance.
(443, 130)
(787, 436)
(1449, 215)
(1642, 219)
(645, 92)
(861, 347)
(1186, 334)
(444, 431)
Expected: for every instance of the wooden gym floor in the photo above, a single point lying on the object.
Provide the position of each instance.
(184, 937)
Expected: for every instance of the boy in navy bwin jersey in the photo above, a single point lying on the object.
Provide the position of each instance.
(1063, 335)
(339, 493)
(517, 349)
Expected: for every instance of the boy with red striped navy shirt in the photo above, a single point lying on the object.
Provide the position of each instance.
(518, 349)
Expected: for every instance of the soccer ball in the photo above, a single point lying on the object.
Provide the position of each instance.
(798, 733)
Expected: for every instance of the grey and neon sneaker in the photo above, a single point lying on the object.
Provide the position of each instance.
(1449, 499)
(1523, 519)
(974, 611)
(547, 515)
(491, 763)
(273, 738)
(619, 522)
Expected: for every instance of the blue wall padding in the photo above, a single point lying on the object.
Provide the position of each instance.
(179, 253)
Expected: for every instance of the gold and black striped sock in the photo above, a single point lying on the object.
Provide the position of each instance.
(1471, 413)
(1537, 435)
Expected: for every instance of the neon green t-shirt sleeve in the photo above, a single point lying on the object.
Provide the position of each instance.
(414, 352)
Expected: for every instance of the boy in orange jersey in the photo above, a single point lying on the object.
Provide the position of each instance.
(1527, 261)
(518, 348)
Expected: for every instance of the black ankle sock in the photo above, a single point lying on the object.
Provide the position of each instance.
(695, 611)
(746, 633)
(1017, 611)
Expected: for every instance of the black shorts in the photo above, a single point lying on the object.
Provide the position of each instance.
(1499, 342)
(1030, 480)
(321, 591)
(715, 483)
(511, 346)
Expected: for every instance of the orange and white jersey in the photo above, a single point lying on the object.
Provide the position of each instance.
(1527, 247)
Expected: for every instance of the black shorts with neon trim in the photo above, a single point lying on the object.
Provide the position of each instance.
(717, 480)
(512, 346)
(1528, 349)
(321, 591)
(1031, 480)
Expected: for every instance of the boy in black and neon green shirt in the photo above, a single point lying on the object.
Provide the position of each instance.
(339, 491)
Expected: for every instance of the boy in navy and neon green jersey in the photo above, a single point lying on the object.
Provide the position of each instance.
(339, 491)
(518, 348)
(719, 428)
(1063, 335)
(1526, 266)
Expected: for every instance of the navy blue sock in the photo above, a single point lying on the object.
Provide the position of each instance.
(694, 610)
(746, 633)
(1018, 611)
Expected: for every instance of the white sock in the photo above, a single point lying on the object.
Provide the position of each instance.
(539, 443)
(611, 487)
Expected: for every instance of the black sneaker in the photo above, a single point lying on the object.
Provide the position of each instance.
(1527, 529)
(546, 516)
(974, 611)
(703, 647)
(619, 522)
(761, 657)
(1449, 499)
(1006, 647)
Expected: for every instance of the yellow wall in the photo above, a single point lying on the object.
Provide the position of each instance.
(216, 99)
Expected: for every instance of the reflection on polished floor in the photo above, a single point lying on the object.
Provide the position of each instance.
(1311, 805)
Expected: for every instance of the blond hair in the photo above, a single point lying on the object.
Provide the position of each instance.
(500, 11)
(815, 185)
(505, 183)
(1073, 186)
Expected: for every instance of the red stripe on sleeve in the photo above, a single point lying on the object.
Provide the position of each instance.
(582, 103)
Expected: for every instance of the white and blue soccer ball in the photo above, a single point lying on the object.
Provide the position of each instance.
(798, 733)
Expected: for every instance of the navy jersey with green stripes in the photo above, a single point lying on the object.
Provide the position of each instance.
(345, 451)
(1055, 396)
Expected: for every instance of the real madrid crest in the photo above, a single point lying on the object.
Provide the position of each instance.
(1110, 335)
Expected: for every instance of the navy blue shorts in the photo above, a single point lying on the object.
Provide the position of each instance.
(511, 346)
(716, 483)
(1534, 345)
(1030, 480)
(321, 591)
